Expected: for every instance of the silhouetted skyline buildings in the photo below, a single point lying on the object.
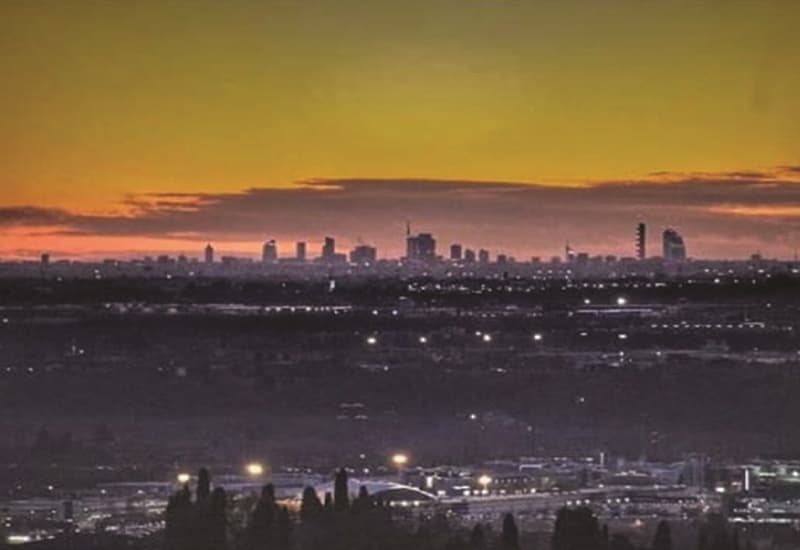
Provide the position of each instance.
(422, 248)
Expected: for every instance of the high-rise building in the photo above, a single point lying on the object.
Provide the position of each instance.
(483, 256)
(674, 247)
(641, 241)
(469, 256)
(45, 259)
(421, 247)
(363, 254)
(269, 254)
(300, 251)
(209, 254)
(329, 248)
(455, 252)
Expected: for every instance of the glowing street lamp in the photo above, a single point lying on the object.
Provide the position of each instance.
(254, 469)
(400, 460)
(484, 481)
(622, 301)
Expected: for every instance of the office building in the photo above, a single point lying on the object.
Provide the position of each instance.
(469, 256)
(269, 253)
(483, 256)
(329, 248)
(674, 247)
(455, 252)
(209, 254)
(300, 251)
(421, 247)
(363, 254)
(641, 241)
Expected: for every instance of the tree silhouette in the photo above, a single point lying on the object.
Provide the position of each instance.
(310, 507)
(576, 530)
(203, 484)
(477, 538)
(662, 540)
(341, 495)
(509, 539)
(262, 518)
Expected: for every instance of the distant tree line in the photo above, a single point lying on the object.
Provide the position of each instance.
(210, 521)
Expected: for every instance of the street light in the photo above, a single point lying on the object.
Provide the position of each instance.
(400, 460)
(254, 469)
(484, 482)
(184, 478)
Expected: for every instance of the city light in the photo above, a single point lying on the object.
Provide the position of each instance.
(423, 340)
(184, 478)
(537, 337)
(484, 481)
(487, 338)
(371, 340)
(255, 469)
(622, 301)
(400, 460)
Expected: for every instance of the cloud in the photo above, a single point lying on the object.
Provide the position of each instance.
(727, 214)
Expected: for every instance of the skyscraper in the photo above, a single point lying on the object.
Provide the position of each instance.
(300, 251)
(329, 248)
(469, 256)
(641, 241)
(209, 254)
(364, 254)
(674, 247)
(269, 253)
(455, 252)
(483, 256)
(421, 247)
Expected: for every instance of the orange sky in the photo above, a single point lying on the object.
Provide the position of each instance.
(102, 101)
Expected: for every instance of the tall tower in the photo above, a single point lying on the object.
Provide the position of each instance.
(300, 251)
(209, 254)
(641, 241)
(269, 253)
(673, 245)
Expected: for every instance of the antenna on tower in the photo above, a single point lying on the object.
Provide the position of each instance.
(408, 228)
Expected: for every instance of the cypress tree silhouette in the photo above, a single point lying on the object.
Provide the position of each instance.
(310, 507)
(362, 503)
(341, 494)
(576, 530)
(262, 518)
(203, 484)
(662, 540)
(509, 538)
(477, 538)
(218, 521)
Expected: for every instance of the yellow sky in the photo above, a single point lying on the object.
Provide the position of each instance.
(100, 99)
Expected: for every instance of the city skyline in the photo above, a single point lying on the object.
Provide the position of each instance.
(730, 215)
(144, 130)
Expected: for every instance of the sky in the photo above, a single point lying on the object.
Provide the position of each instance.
(141, 127)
